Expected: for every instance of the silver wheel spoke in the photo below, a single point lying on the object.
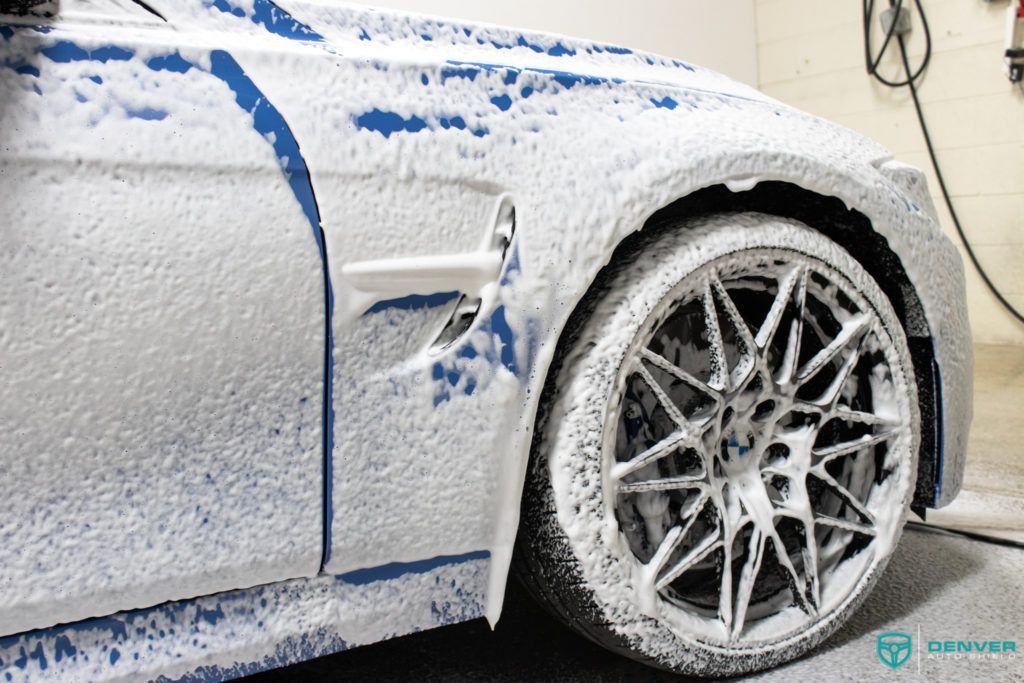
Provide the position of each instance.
(748, 575)
(791, 355)
(747, 356)
(845, 524)
(667, 484)
(677, 534)
(844, 494)
(725, 587)
(782, 300)
(716, 345)
(810, 558)
(861, 417)
(680, 374)
(851, 331)
(801, 586)
(830, 453)
(658, 450)
(696, 554)
(666, 402)
(835, 390)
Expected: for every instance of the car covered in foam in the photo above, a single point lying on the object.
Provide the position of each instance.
(297, 295)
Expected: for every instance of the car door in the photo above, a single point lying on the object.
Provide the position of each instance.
(162, 322)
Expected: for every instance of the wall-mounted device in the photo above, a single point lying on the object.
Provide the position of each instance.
(1015, 41)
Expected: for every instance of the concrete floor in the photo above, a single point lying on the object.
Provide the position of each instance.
(992, 499)
(937, 587)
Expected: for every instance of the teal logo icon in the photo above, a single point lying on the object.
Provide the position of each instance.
(894, 649)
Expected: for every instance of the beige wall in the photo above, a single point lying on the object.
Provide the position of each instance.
(718, 34)
(810, 55)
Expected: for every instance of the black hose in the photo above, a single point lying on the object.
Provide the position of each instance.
(974, 536)
(872, 63)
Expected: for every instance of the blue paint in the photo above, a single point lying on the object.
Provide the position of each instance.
(363, 35)
(145, 113)
(560, 50)
(568, 79)
(565, 78)
(393, 570)
(448, 371)
(455, 122)
(665, 102)
(615, 49)
(424, 80)
(64, 51)
(500, 327)
(557, 50)
(96, 79)
(512, 267)
(173, 62)
(274, 19)
(210, 616)
(523, 42)
(511, 75)
(38, 655)
(62, 648)
(267, 121)
(281, 23)
(526, 92)
(460, 72)
(427, 37)
(228, 9)
(27, 70)
(413, 302)
(502, 102)
(191, 615)
(388, 122)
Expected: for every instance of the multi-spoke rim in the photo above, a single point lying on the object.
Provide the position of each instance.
(754, 460)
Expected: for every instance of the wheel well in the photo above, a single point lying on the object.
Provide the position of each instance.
(853, 231)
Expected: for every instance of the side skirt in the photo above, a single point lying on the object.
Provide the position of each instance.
(236, 633)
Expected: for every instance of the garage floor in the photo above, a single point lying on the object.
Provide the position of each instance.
(992, 499)
(938, 587)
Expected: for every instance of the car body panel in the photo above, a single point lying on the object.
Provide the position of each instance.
(414, 130)
(161, 405)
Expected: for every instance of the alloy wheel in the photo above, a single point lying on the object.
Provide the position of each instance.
(750, 461)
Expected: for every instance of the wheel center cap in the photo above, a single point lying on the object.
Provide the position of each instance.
(739, 444)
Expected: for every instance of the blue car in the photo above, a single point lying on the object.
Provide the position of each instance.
(317, 321)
